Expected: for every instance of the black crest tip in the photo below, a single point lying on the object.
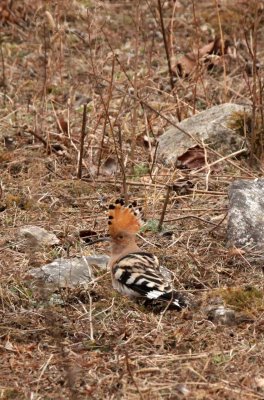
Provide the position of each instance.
(120, 201)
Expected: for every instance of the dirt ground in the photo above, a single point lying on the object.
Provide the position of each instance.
(94, 343)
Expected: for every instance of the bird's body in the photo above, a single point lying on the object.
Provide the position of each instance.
(136, 273)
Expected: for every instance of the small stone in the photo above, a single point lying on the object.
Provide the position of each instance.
(259, 384)
(222, 315)
(183, 389)
(69, 272)
(37, 236)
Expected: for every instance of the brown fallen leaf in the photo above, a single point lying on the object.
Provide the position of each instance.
(235, 251)
(190, 61)
(191, 159)
(109, 167)
(182, 186)
(87, 235)
(62, 125)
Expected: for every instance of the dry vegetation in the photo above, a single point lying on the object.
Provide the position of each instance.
(56, 56)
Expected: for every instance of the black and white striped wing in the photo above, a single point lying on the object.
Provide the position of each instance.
(138, 275)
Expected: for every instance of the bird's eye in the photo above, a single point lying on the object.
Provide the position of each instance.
(120, 237)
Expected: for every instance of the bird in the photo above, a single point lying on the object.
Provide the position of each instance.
(136, 273)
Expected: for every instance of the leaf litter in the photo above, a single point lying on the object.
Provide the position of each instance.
(94, 343)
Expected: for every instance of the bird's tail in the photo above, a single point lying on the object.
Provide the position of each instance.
(173, 298)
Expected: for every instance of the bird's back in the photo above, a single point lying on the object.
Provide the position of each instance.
(138, 275)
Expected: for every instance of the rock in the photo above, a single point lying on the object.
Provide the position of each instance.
(182, 388)
(222, 315)
(69, 272)
(259, 382)
(37, 236)
(210, 125)
(245, 226)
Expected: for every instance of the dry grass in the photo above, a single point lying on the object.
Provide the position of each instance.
(98, 344)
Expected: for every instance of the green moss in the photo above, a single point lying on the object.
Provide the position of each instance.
(244, 299)
(92, 345)
(219, 359)
(77, 188)
(87, 3)
(20, 201)
(10, 394)
(151, 225)
(140, 170)
(240, 122)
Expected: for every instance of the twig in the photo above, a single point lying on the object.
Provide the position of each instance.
(219, 223)
(135, 84)
(196, 72)
(254, 132)
(222, 47)
(154, 160)
(165, 44)
(159, 186)
(146, 241)
(83, 134)
(122, 163)
(41, 139)
(43, 369)
(106, 108)
(132, 377)
(91, 317)
(164, 207)
(207, 166)
(168, 120)
(45, 63)
(3, 75)
(191, 216)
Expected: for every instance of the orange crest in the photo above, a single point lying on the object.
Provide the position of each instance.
(124, 218)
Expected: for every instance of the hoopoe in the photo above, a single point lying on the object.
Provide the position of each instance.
(136, 273)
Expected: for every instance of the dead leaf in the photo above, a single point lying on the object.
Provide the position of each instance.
(81, 100)
(235, 251)
(8, 346)
(192, 158)
(186, 65)
(214, 47)
(87, 235)
(110, 166)
(190, 61)
(62, 125)
(182, 187)
(146, 141)
(159, 341)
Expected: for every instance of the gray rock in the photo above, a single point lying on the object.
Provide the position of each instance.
(222, 315)
(259, 383)
(37, 236)
(210, 125)
(69, 272)
(246, 214)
